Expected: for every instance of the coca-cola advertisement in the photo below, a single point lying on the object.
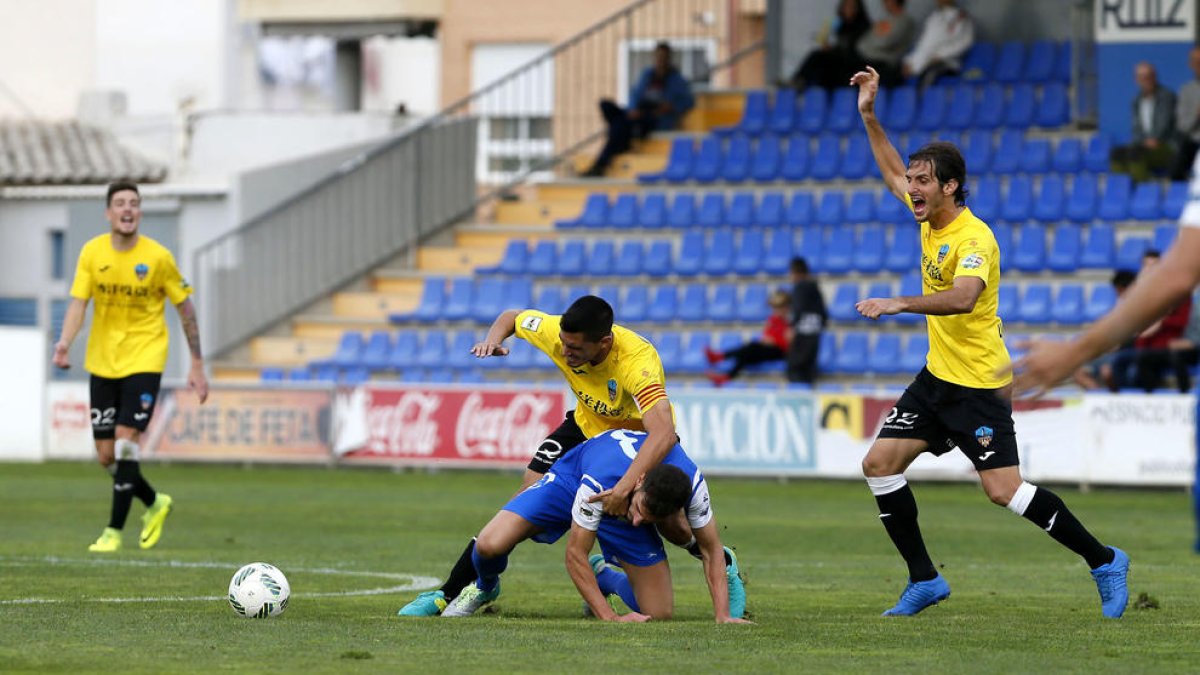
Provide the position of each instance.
(444, 425)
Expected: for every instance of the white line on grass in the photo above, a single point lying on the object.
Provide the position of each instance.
(413, 582)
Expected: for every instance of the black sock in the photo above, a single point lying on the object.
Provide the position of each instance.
(694, 549)
(898, 511)
(123, 486)
(142, 489)
(462, 574)
(1049, 512)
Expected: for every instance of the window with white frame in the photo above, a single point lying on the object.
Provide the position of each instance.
(515, 131)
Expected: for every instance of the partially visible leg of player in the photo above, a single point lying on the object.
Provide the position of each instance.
(489, 559)
(652, 589)
(677, 532)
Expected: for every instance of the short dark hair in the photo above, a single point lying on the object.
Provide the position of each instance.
(663, 44)
(799, 266)
(589, 315)
(667, 489)
(120, 186)
(1123, 279)
(948, 164)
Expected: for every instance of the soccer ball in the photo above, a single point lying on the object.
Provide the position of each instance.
(259, 591)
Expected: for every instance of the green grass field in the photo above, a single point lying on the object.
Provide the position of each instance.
(818, 565)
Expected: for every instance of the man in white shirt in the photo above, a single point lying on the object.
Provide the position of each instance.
(947, 35)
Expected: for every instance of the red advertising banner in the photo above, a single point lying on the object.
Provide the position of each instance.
(241, 425)
(445, 425)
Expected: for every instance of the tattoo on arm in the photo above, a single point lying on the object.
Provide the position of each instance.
(191, 329)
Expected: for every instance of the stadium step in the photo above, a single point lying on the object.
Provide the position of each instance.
(288, 351)
(322, 327)
(375, 305)
(457, 260)
(535, 212)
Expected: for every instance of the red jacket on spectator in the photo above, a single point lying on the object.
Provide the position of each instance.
(1172, 327)
(776, 331)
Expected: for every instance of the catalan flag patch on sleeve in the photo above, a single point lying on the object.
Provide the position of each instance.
(649, 395)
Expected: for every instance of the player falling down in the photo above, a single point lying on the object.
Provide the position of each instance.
(618, 382)
(633, 564)
(960, 398)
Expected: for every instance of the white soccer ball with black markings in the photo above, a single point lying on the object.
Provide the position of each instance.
(259, 591)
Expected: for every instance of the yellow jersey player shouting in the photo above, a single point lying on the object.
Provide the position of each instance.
(128, 276)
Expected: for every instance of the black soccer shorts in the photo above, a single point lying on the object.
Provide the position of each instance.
(128, 401)
(566, 436)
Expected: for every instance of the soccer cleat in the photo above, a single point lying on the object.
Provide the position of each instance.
(429, 603)
(152, 520)
(1111, 581)
(919, 595)
(713, 356)
(470, 600)
(737, 588)
(109, 542)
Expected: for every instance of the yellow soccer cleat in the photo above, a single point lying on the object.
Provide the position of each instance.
(109, 542)
(152, 520)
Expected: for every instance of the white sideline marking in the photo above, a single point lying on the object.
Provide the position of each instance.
(412, 581)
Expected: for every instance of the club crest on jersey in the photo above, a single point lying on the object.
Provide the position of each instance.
(147, 400)
(943, 251)
(984, 436)
(141, 270)
(612, 390)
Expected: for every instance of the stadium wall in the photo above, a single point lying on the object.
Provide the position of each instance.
(23, 356)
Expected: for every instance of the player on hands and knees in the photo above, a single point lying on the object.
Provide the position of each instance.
(128, 275)
(958, 399)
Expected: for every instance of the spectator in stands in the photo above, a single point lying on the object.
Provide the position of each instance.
(657, 102)
(1098, 373)
(1187, 120)
(888, 41)
(808, 320)
(1142, 365)
(948, 33)
(772, 347)
(836, 57)
(1179, 357)
(1152, 147)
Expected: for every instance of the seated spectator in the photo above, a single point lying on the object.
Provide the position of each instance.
(888, 41)
(772, 347)
(1187, 120)
(1098, 373)
(835, 59)
(657, 102)
(1141, 366)
(809, 317)
(1152, 147)
(1179, 357)
(947, 35)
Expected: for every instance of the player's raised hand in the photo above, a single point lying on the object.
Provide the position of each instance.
(873, 308)
(867, 82)
(485, 349)
(61, 358)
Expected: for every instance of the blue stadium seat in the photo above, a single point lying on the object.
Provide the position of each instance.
(718, 255)
(1114, 202)
(679, 163)
(1174, 200)
(753, 306)
(1018, 202)
(518, 293)
(795, 160)
(1018, 114)
(1035, 304)
(977, 151)
(657, 261)
(1068, 155)
(778, 255)
(434, 351)
(935, 104)
(890, 209)
(990, 111)
(861, 208)
(433, 298)
(299, 374)
(712, 211)
(904, 253)
(1146, 202)
(754, 114)
(914, 141)
(471, 376)
(724, 303)
(979, 63)
(1004, 242)
(1010, 63)
(735, 167)
(611, 293)
(489, 300)
(1052, 198)
(880, 289)
(1100, 302)
(353, 376)
(690, 261)
(653, 214)
(839, 250)
(1099, 249)
(670, 348)
(459, 355)
(741, 210)
(461, 299)
(768, 155)
(811, 248)
(623, 212)
(574, 292)
(683, 211)
(521, 356)
(916, 352)
(1062, 63)
(1068, 305)
(985, 199)
(1006, 307)
(845, 296)
(1035, 155)
(800, 211)
(1054, 106)
(1095, 158)
(911, 285)
(629, 263)
(748, 258)
(570, 258)
(412, 376)
(852, 353)
(635, 303)
(961, 114)
(869, 253)
(1008, 152)
(813, 110)
(1130, 252)
(403, 353)
(832, 208)
(691, 358)
(706, 167)
(827, 352)
(1081, 201)
(1039, 64)
(901, 109)
(375, 355)
(595, 213)
(270, 375)
(1030, 253)
(884, 357)
(549, 299)
(770, 210)
(784, 111)
(516, 257)
(694, 304)
(1068, 244)
(600, 261)
(827, 158)
(858, 162)
(542, 261)
(1164, 236)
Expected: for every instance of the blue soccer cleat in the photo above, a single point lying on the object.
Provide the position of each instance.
(429, 603)
(737, 588)
(919, 595)
(1112, 582)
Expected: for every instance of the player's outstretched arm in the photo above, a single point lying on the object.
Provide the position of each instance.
(1163, 286)
(579, 545)
(502, 328)
(660, 438)
(197, 380)
(891, 166)
(960, 299)
(72, 324)
(713, 555)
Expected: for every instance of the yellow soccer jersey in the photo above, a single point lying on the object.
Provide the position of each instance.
(129, 331)
(612, 395)
(966, 349)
